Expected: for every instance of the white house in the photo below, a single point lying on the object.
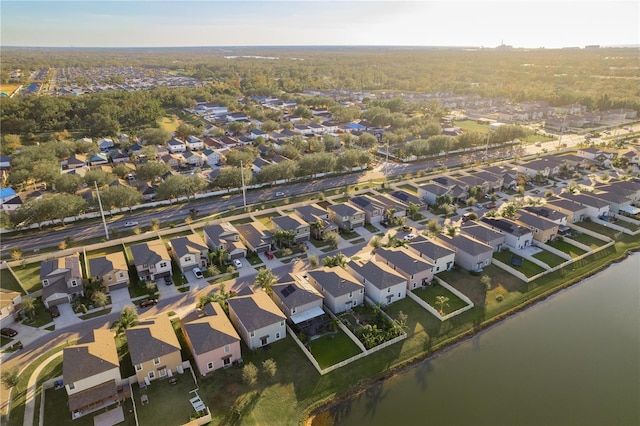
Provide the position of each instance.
(340, 289)
(257, 318)
(194, 143)
(176, 145)
(382, 284)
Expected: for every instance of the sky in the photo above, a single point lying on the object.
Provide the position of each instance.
(519, 23)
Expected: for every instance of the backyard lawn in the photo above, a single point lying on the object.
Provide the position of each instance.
(168, 404)
(586, 239)
(600, 229)
(408, 188)
(330, 349)
(56, 413)
(430, 293)
(528, 268)
(566, 247)
(549, 258)
(9, 282)
(29, 276)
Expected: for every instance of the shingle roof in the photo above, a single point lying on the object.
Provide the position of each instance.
(151, 339)
(344, 209)
(565, 204)
(293, 294)
(466, 244)
(211, 331)
(435, 188)
(335, 280)
(378, 274)
(585, 200)
(311, 212)
(289, 222)
(546, 212)
(405, 197)
(507, 226)
(255, 311)
(404, 260)
(94, 354)
(255, 233)
(188, 244)
(99, 266)
(534, 220)
(69, 266)
(430, 248)
(481, 232)
(94, 394)
(149, 253)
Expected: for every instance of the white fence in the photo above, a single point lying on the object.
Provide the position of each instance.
(433, 310)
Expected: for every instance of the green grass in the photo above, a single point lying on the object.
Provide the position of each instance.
(629, 226)
(168, 404)
(472, 126)
(254, 259)
(241, 221)
(96, 314)
(42, 315)
(342, 199)
(565, 247)
(357, 241)
(369, 227)
(528, 268)
(29, 276)
(331, 349)
(587, 239)
(318, 243)
(430, 293)
(104, 251)
(5, 340)
(600, 229)
(9, 282)
(408, 188)
(549, 258)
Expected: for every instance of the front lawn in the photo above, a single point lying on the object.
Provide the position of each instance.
(369, 227)
(41, 317)
(333, 348)
(566, 247)
(254, 259)
(549, 258)
(430, 293)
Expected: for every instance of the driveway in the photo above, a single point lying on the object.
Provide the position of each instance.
(119, 299)
(67, 316)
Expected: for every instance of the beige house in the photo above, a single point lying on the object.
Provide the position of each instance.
(9, 301)
(189, 252)
(61, 279)
(302, 304)
(91, 373)
(346, 216)
(211, 338)
(111, 270)
(292, 223)
(225, 236)
(542, 228)
(154, 349)
(417, 271)
(341, 290)
(257, 318)
(151, 259)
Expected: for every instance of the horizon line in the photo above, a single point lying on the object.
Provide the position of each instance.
(504, 46)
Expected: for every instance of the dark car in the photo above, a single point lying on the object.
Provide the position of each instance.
(8, 332)
(148, 302)
(54, 311)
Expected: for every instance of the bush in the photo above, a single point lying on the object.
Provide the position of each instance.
(499, 298)
(250, 373)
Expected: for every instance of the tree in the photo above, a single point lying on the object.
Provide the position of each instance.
(128, 319)
(68, 183)
(118, 196)
(509, 210)
(184, 130)
(213, 270)
(433, 226)
(314, 261)
(151, 170)
(270, 367)
(99, 177)
(250, 373)
(99, 299)
(265, 280)
(451, 230)
(413, 211)
(336, 260)
(283, 237)
(376, 242)
(9, 377)
(29, 306)
(332, 238)
(442, 301)
(246, 156)
(486, 280)
(16, 253)
(154, 136)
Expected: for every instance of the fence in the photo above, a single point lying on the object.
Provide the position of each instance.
(554, 250)
(616, 227)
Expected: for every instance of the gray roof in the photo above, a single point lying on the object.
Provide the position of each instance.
(389, 202)
(481, 232)
(507, 226)
(405, 197)
(378, 274)
(149, 253)
(565, 204)
(211, 331)
(102, 265)
(256, 234)
(534, 220)
(344, 209)
(546, 212)
(430, 248)
(335, 280)
(366, 203)
(311, 212)
(448, 181)
(585, 200)
(612, 197)
(487, 176)
(435, 188)
(404, 260)
(292, 294)
(93, 354)
(289, 222)
(188, 244)
(69, 267)
(472, 180)
(151, 338)
(466, 244)
(255, 311)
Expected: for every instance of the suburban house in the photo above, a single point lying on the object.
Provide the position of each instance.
(318, 219)
(212, 157)
(61, 280)
(98, 159)
(595, 207)
(194, 143)
(546, 212)
(211, 338)
(173, 160)
(392, 206)
(189, 252)
(255, 236)
(417, 271)
(443, 258)
(471, 254)
(543, 229)
(516, 236)
(340, 289)
(382, 284)
(431, 191)
(257, 318)
(76, 161)
(91, 373)
(373, 210)
(9, 303)
(346, 216)
(292, 223)
(151, 259)
(575, 212)
(193, 158)
(617, 200)
(118, 156)
(224, 236)
(484, 234)
(111, 270)
(154, 349)
(406, 198)
(302, 304)
(493, 181)
(545, 166)
(176, 145)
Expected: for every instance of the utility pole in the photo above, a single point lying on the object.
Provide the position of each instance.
(486, 150)
(244, 192)
(104, 222)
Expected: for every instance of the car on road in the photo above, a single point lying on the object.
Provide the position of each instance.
(148, 302)
(268, 254)
(280, 194)
(198, 273)
(8, 332)
(130, 224)
(54, 311)
(237, 263)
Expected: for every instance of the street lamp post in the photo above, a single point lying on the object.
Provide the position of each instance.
(104, 222)
(244, 192)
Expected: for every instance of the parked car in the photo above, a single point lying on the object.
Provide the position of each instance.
(8, 332)
(130, 224)
(409, 237)
(198, 273)
(168, 280)
(54, 311)
(268, 254)
(407, 228)
(237, 263)
(148, 302)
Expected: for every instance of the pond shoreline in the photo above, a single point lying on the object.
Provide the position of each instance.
(444, 347)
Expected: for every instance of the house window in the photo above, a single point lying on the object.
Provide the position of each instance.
(162, 371)
(277, 336)
(74, 283)
(45, 282)
(187, 259)
(361, 290)
(163, 264)
(109, 278)
(252, 334)
(226, 361)
(152, 375)
(138, 367)
(210, 366)
(350, 294)
(156, 361)
(399, 294)
(389, 290)
(227, 348)
(121, 274)
(72, 386)
(281, 323)
(293, 311)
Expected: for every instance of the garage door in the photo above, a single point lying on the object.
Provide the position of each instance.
(59, 301)
(117, 286)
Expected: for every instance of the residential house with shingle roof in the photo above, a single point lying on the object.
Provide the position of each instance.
(406, 198)
(176, 145)
(91, 373)
(255, 236)
(302, 304)
(151, 259)
(431, 191)
(543, 229)
(483, 233)
(257, 318)
(340, 289)
(575, 212)
(9, 302)
(417, 271)
(373, 210)
(154, 349)
(225, 236)
(346, 215)
(314, 214)
(546, 212)
(189, 252)
(211, 338)
(443, 258)
(382, 285)
(595, 206)
(471, 254)
(546, 166)
(61, 279)
(516, 235)
(292, 223)
(111, 270)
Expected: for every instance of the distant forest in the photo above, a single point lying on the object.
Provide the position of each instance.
(597, 78)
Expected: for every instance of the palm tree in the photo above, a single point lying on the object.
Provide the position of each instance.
(442, 301)
(128, 319)
(413, 211)
(265, 279)
(218, 254)
(451, 231)
(317, 227)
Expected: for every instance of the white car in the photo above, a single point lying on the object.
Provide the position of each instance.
(198, 273)
(130, 224)
(409, 237)
(237, 263)
(280, 194)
